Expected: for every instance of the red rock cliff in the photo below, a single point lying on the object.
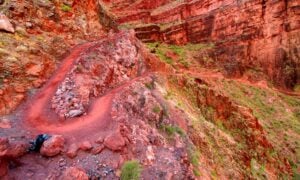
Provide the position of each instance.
(250, 34)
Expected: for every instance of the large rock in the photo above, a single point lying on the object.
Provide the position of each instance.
(72, 151)
(74, 173)
(115, 141)
(53, 146)
(85, 146)
(5, 25)
(10, 151)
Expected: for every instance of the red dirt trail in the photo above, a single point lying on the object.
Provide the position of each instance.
(38, 116)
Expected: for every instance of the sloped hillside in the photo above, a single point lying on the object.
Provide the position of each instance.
(138, 89)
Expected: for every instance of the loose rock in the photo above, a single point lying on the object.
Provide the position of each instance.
(86, 146)
(115, 142)
(72, 173)
(98, 149)
(53, 146)
(72, 151)
(5, 25)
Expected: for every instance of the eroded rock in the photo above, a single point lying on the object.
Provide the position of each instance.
(115, 141)
(53, 146)
(98, 149)
(5, 24)
(72, 151)
(86, 146)
(10, 151)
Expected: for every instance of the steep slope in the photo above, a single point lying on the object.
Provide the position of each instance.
(194, 101)
(184, 123)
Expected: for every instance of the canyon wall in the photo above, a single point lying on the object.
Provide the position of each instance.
(256, 35)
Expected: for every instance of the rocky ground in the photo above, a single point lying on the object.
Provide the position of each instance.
(104, 105)
(42, 36)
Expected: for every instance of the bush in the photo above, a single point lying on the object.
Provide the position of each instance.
(131, 170)
(66, 8)
(172, 130)
(156, 109)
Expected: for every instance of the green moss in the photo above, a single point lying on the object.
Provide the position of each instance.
(149, 85)
(66, 8)
(214, 175)
(257, 170)
(156, 109)
(297, 88)
(131, 170)
(194, 156)
(181, 51)
(172, 130)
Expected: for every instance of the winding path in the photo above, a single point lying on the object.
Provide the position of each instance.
(39, 116)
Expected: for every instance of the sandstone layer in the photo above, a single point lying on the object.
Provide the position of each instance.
(250, 35)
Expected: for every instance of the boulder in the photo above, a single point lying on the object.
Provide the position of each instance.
(115, 142)
(5, 25)
(86, 146)
(72, 151)
(74, 173)
(12, 150)
(9, 151)
(17, 149)
(53, 146)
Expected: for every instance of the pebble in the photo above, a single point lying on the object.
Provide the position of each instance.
(62, 162)
(75, 113)
(28, 24)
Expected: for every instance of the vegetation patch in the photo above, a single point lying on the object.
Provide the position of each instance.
(194, 156)
(161, 50)
(156, 109)
(171, 130)
(131, 170)
(279, 114)
(149, 85)
(66, 8)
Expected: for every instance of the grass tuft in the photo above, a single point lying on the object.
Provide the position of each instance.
(66, 8)
(131, 170)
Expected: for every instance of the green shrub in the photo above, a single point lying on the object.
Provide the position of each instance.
(131, 170)
(172, 130)
(194, 156)
(66, 8)
(156, 109)
(149, 85)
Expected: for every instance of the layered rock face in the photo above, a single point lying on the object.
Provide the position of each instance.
(254, 35)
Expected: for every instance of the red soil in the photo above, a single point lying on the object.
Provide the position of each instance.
(40, 118)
